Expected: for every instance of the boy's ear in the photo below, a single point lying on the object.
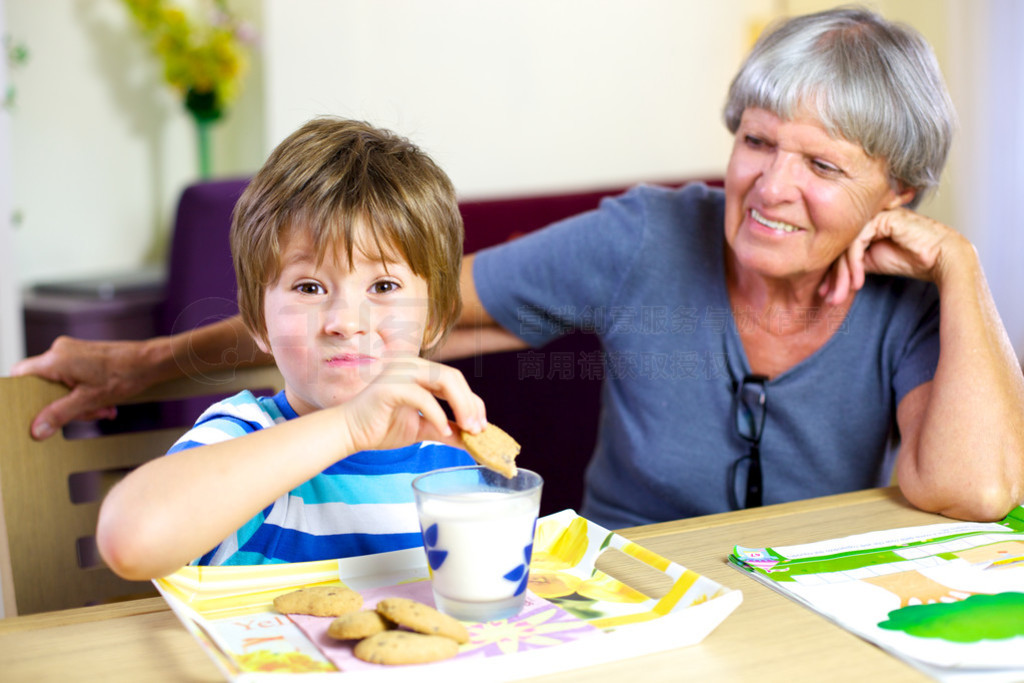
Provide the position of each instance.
(429, 345)
(261, 342)
(431, 342)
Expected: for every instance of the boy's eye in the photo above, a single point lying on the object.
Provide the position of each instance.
(384, 287)
(309, 288)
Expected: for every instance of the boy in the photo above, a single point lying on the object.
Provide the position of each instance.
(347, 246)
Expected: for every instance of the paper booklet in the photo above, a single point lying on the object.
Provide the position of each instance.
(946, 598)
(577, 612)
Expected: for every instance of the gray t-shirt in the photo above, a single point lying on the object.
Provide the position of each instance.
(644, 272)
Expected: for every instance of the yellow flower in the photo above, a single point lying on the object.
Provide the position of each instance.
(204, 62)
(552, 584)
(286, 662)
(556, 548)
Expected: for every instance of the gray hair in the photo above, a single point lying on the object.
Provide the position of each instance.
(870, 81)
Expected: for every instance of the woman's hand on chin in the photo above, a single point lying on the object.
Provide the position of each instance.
(895, 242)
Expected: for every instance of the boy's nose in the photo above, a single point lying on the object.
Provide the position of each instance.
(343, 320)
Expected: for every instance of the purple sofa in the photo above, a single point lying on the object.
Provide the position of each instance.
(200, 276)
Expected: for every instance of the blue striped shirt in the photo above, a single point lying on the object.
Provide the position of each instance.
(359, 505)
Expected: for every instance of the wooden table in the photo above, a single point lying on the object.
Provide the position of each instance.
(768, 638)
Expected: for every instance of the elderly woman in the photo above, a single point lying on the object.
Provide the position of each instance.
(813, 320)
(795, 335)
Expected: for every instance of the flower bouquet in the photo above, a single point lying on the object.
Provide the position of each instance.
(204, 61)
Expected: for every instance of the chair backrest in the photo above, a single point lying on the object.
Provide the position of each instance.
(50, 491)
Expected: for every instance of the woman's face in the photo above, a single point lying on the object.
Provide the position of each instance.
(797, 197)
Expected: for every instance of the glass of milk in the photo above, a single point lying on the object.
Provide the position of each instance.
(478, 530)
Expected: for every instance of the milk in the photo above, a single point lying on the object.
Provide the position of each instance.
(478, 546)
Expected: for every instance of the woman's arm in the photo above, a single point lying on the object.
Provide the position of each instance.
(476, 332)
(101, 374)
(962, 434)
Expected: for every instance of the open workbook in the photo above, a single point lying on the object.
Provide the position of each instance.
(946, 598)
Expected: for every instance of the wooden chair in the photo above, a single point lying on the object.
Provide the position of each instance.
(50, 491)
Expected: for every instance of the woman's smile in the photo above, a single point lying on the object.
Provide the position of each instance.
(775, 226)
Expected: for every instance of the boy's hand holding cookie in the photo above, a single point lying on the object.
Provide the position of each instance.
(401, 406)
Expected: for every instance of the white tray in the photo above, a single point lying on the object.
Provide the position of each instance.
(579, 615)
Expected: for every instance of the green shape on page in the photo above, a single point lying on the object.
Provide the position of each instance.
(974, 619)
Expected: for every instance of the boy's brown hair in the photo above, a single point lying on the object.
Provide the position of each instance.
(327, 177)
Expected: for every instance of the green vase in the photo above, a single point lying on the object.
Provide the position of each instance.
(205, 110)
(205, 154)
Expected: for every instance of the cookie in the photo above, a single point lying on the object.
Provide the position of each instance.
(356, 625)
(320, 601)
(416, 616)
(403, 647)
(493, 448)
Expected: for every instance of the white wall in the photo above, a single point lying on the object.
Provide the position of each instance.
(514, 96)
(988, 58)
(10, 322)
(510, 97)
(11, 341)
(101, 147)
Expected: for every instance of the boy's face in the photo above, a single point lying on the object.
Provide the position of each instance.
(331, 329)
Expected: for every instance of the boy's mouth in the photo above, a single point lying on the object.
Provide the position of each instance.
(349, 359)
